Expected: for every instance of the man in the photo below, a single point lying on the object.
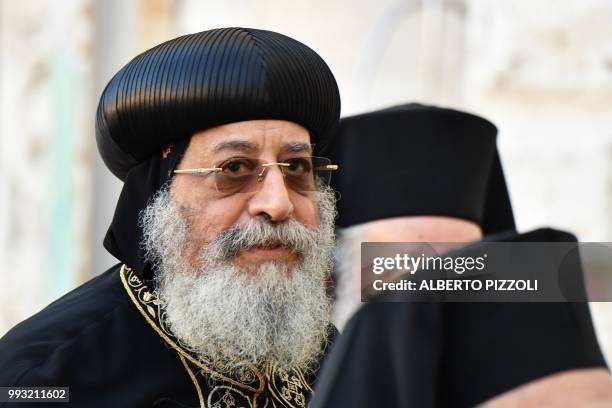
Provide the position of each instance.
(436, 177)
(224, 229)
(413, 173)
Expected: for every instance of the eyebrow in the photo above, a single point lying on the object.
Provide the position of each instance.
(297, 147)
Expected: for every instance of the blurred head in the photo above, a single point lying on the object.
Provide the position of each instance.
(424, 228)
(413, 173)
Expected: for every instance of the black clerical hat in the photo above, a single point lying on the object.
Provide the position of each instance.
(201, 80)
(415, 159)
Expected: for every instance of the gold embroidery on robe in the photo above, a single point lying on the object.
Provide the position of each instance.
(253, 388)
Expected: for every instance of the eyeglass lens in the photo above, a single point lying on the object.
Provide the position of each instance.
(247, 174)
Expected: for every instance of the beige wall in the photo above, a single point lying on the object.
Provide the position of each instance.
(45, 156)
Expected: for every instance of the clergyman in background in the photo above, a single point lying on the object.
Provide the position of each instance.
(435, 175)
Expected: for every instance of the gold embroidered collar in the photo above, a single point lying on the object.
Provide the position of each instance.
(253, 388)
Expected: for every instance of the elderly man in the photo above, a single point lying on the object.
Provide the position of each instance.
(224, 229)
(440, 180)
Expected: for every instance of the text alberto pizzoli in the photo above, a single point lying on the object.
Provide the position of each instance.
(458, 265)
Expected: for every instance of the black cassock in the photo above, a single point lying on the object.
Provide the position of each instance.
(454, 354)
(108, 341)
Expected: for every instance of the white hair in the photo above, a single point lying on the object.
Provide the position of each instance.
(235, 319)
(347, 258)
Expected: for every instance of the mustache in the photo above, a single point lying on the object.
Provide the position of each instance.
(289, 234)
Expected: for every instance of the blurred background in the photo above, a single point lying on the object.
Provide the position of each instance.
(540, 70)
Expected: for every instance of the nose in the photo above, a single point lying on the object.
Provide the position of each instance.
(272, 199)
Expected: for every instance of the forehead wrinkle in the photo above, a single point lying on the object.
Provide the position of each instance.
(241, 145)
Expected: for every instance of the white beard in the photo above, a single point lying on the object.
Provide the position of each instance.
(235, 319)
(348, 275)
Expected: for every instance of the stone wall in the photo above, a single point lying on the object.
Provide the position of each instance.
(542, 71)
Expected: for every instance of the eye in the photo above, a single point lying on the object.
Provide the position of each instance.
(237, 167)
(298, 166)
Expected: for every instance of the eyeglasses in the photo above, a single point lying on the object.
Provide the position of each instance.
(243, 174)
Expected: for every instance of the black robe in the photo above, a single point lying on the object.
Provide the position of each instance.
(423, 355)
(107, 340)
